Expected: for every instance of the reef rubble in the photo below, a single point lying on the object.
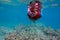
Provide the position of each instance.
(33, 32)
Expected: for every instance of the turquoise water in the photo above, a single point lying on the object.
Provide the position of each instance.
(14, 12)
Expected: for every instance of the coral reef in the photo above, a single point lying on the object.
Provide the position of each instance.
(33, 32)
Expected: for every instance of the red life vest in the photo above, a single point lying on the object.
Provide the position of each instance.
(34, 10)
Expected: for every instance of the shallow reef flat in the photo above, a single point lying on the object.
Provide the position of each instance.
(33, 32)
